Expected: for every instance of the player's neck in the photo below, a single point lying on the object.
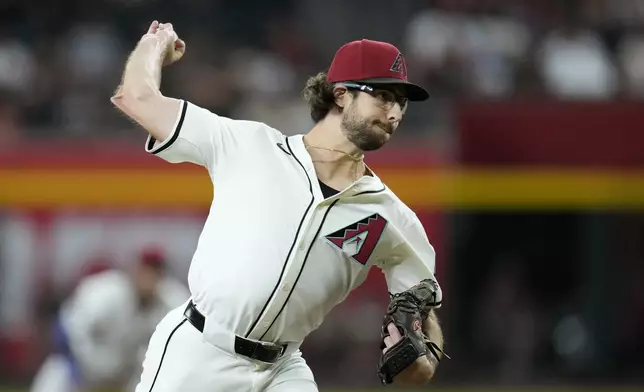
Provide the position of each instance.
(328, 134)
(338, 162)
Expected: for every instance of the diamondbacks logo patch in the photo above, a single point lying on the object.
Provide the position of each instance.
(359, 239)
(399, 65)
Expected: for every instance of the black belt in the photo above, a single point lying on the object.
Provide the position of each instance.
(261, 351)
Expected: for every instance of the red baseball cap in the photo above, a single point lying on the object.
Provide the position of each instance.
(373, 62)
(152, 256)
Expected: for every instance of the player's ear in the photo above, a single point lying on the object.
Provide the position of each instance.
(340, 95)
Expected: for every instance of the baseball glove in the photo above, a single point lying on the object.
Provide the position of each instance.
(407, 311)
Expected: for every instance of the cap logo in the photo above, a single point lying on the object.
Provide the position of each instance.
(399, 65)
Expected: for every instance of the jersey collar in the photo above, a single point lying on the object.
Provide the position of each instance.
(365, 185)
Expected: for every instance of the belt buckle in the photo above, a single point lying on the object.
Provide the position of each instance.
(282, 348)
(272, 346)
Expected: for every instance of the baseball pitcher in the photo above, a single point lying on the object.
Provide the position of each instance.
(294, 226)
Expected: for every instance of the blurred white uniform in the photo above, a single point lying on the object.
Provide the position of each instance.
(102, 332)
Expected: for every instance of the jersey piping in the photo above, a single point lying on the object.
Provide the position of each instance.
(288, 255)
(306, 257)
(370, 192)
(175, 134)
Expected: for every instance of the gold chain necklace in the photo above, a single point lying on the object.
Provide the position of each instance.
(353, 157)
(357, 159)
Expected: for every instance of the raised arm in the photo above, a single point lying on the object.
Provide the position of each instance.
(139, 95)
(179, 131)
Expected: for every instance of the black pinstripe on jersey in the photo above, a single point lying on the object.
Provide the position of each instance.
(288, 255)
(175, 134)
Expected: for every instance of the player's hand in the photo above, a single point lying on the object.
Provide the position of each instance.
(164, 34)
(417, 373)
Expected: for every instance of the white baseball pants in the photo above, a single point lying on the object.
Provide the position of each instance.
(179, 359)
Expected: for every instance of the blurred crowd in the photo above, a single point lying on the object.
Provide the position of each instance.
(61, 60)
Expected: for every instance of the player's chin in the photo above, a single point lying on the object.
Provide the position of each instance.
(374, 143)
(382, 137)
(372, 139)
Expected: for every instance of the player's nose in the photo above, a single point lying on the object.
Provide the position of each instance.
(394, 116)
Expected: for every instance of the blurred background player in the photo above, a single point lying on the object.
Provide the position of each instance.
(103, 328)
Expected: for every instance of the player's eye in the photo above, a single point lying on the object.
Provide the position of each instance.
(403, 101)
(386, 96)
(389, 98)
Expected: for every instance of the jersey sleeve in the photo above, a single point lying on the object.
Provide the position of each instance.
(415, 261)
(201, 137)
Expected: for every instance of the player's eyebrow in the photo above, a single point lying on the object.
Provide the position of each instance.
(399, 91)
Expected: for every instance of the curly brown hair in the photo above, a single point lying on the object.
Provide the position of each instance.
(318, 92)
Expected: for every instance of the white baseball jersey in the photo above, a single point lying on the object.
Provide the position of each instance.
(105, 327)
(275, 256)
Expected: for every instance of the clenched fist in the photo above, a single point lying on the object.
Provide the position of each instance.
(165, 35)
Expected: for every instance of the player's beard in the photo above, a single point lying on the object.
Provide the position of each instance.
(367, 135)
